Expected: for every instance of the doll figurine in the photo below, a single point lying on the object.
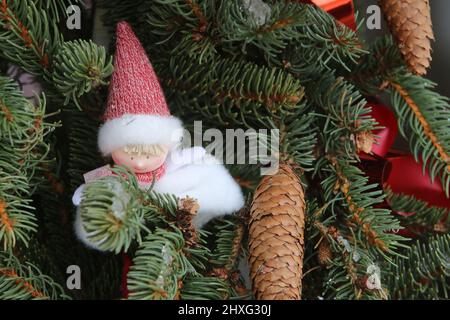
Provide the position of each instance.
(140, 133)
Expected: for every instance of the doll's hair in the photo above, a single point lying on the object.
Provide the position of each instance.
(144, 149)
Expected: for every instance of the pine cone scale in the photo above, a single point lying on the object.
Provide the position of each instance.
(276, 232)
(410, 23)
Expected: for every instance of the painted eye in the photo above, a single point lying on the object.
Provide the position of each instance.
(148, 157)
(132, 158)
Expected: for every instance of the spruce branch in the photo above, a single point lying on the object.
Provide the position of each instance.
(422, 115)
(187, 210)
(425, 273)
(238, 81)
(324, 45)
(56, 8)
(200, 15)
(204, 288)
(363, 233)
(357, 214)
(427, 218)
(22, 150)
(228, 234)
(87, 64)
(381, 62)
(159, 266)
(347, 271)
(328, 42)
(28, 36)
(345, 115)
(238, 28)
(112, 213)
(232, 93)
(24, 281)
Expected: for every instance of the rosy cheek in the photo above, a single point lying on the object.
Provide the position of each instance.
(119, 159)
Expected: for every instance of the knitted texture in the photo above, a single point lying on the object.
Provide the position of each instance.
(134, 87)
(147, 177)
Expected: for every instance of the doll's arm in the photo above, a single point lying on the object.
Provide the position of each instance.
(83, 235)
(76, 198)
(209, 182)
(78, 225)
(182, 157)
(218, 194)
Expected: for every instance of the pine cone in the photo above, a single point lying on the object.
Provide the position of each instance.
(187, 210)
(276, 230)
(410, 23)
(324, 254)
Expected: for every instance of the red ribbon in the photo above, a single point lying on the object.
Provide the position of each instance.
(125, 268)
(385, 137)
(342, 10)
(405, 175)
(398, 170)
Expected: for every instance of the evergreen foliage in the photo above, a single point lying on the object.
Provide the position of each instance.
(297, 70)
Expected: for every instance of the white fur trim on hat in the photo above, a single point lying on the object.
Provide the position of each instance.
(139, 129)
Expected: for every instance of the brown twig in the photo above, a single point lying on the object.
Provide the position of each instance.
(24, 33)
(24, 284)
(424, 123)
(4, 218)
(8, 114)
(203, 22)
(343, 184)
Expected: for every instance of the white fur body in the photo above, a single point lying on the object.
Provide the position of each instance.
(190, 172)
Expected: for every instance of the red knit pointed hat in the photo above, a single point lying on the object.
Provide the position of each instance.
(136, 110)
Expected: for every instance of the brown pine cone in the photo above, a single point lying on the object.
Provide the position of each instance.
(276, 231)
(410, 23)
(324, 254)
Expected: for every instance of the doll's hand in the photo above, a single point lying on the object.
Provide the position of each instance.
(76, 198)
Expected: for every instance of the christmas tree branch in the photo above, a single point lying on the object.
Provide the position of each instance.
(22, 133)
(204, 288)
(158, 267)
(425, 273)
(16, 17)
(421, 112)
(228, 235)
(437, 112)
(226, 78)
(198, 11)
(343, 184)
(427, 218)
(23, 284)
(269, 30)
(426, 126)
(25, 281)
(350, 199)
(347, 270)
(88, 64)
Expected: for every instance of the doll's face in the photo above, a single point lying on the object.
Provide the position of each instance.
(140, 158)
